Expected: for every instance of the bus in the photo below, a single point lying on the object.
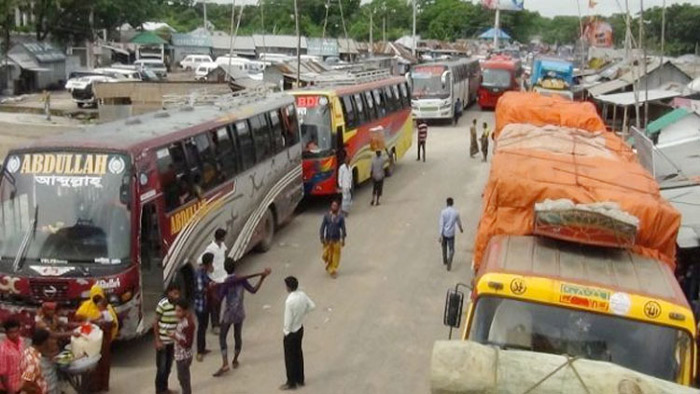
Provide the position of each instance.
(544, 295)
(438, 87)
(499, 75)
(552, 77)
(346, 117)
(130, 205)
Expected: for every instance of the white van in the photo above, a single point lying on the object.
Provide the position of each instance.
(238, 62)
(155, 65)
(200, 74)
(190, 62)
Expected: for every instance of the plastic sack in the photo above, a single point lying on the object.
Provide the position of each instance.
(89, 343)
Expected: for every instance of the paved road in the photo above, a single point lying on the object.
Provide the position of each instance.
(374, 325)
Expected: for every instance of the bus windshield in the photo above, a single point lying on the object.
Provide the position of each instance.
(427, 82)
(315, 120)
(64, 207)
(496, 78)
(647, 348)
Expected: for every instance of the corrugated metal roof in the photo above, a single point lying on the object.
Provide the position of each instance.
(666, 120)
(148, 38)
(278, 41)
(348, 46)
(610, 267)
(26, 62)
(627, 98)
(221, 40)
(607, 87)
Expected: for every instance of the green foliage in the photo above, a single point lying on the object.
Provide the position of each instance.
(69, 20)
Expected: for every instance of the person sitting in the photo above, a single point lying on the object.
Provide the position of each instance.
(97, 310)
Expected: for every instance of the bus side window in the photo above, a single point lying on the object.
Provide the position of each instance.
(405, 98)
(245, 145)
(397, 96)
(348, 113)
(291, 125)
(361, 117)
(278, 137)
(379, 103)
(261, 137)
(224, 149)
(388, 95)
(209, 167)
(371, 110)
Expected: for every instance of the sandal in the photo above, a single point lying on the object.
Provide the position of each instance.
(234, 364)
(221, 371)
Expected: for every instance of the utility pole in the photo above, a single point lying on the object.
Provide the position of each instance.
(296, 19)
(384, 21)
(230, 43)
(204, 5)
(663, 29)
(413, 49)
(644, 60)
(342, 18)
(325, 20)
(498, 28)
(371, 37)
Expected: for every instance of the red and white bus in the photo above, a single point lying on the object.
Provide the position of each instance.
(339, 118)
(499, 75)
(130, 205)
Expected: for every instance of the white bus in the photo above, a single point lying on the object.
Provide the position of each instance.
(438, 88)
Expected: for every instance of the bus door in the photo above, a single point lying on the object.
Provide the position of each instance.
(151, 256)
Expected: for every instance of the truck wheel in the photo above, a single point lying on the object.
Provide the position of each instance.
(80, 105)
(268, 232)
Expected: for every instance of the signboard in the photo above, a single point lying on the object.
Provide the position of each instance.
(311, 101)
(598, 34)
(322, 46)
(506, 5)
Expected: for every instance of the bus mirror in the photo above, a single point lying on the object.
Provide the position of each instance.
(454, 303)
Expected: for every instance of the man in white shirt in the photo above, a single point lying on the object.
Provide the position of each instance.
(345, 183)
(217, 275)
(296, 307)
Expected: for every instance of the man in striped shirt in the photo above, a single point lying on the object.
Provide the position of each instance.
(422, 137)
(163, 329)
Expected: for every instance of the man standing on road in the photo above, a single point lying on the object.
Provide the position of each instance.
(473, 141)
(449, 218)
(485, 141)
(163, 328)
(457, 111)
(296, 307)
(232, 293)
(218, 274)
(201, 302)
(47, 104)
(378, 177)
(345, 183)
(422, 137)
(333, 235)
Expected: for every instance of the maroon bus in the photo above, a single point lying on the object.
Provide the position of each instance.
(131, 205)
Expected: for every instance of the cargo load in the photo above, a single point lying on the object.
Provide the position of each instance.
(577, 185)
(545, 110)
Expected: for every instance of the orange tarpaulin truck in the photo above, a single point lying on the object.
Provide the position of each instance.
(575, 248)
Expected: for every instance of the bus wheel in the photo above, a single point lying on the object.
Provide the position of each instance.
(392, 164)
(268, 232)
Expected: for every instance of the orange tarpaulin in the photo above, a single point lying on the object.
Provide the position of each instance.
(533, 108)
(531, 164)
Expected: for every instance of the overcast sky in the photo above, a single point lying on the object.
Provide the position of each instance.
(604, 7)
(561, 7)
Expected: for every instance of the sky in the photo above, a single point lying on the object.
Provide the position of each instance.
(603, 7)
(563, 7)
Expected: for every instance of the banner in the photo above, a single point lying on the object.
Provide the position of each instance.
(506, 5)
(598, 33)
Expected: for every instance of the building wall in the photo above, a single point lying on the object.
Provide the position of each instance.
(663, 76)
(54, 78)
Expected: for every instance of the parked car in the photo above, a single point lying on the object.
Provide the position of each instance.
(200, 74)
(155, 65)
(191, 62)
(81, 88)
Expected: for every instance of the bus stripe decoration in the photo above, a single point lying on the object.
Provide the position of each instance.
(241, 243)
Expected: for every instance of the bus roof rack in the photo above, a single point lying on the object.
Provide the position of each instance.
(221, 98)
(351, 78)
